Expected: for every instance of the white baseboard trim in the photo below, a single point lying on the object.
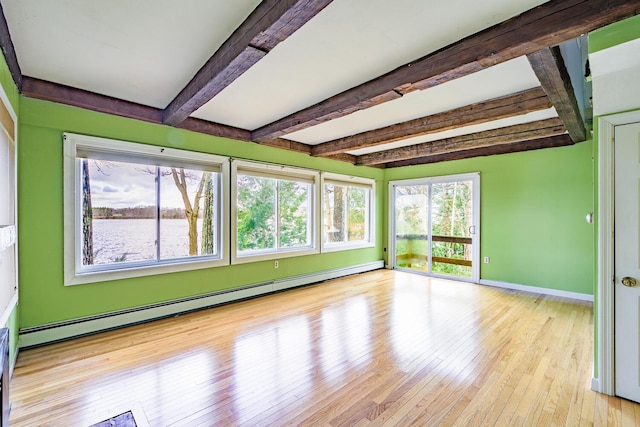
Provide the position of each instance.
(595, 385)
(292, 282)
(537, 290)
(34, 336)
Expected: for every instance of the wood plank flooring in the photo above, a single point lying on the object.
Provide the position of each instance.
(383, 348)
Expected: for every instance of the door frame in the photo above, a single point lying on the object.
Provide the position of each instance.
(475, 251)
(605, 308)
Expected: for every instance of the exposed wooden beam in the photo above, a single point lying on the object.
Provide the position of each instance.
(299, 147)
(345, 157)
(547, 25)
(554, 77)
(215, 129)
(514, 147)
(499, 108)
(48, 91)
(522, 132)
(289, 145)
(61, 94)
(6, 44)
(271, 22)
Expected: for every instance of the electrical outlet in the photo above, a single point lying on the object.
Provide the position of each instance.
(276, 264)
(487, 260)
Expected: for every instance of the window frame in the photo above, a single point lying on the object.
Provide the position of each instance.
(156, 155)
(275, 171)
(350, 181)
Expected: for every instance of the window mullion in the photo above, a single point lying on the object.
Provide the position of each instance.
(157, 213)
(278, 215)
(345, 213)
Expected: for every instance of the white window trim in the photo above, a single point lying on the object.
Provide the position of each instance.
(5, 312)
(352, 181)
(72, 276)
(284, 172)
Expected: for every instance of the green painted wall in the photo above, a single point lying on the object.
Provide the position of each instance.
(14, 328)
(614, 34)
(44, 298)
(532, 215)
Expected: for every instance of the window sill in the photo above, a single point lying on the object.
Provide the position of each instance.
(244, 259)
(72, 278)
(347, 247)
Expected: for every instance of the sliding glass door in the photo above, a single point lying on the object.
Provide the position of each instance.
(434, 225)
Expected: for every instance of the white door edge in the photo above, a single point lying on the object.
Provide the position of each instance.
(605, 381)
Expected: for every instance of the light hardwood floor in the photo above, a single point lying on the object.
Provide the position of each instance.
(381, 348)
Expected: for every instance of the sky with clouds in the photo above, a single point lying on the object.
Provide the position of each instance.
(121, 185)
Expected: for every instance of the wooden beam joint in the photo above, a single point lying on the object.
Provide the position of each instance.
(550, 68)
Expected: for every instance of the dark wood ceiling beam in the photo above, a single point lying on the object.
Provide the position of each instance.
(271, 22)
(298, 147)
(48, 91)
(514, 147)
(289, 145)
(214, 129)
(551, 70)
(6, 44)
(482, 112)
(547, 25)
(344, 157)
(509, 134)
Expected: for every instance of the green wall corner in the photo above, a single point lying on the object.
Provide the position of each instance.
(532, 215)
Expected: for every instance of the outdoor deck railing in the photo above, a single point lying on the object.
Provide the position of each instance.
(409, 256)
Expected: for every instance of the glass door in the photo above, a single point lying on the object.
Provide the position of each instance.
(434, 223)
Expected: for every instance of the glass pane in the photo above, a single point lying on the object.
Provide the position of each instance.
(184, 193)
(412, 227)
(451, 226)
(357, 221)
(345, 213)
(256, 213)
(334, 213)
(293, 202)
(118, 205)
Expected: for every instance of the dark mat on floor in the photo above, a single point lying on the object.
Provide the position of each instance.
(122, 420)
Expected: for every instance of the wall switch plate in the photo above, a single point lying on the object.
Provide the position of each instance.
(487, 260)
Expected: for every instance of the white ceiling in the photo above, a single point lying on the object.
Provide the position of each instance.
(500, 80)
(146, 51)
(348, 43)
(143, 51)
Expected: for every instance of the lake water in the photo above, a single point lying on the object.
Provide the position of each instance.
(134, 239)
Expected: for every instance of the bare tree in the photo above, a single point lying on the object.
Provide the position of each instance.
(191, 211)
